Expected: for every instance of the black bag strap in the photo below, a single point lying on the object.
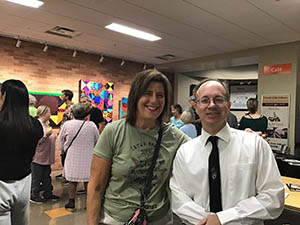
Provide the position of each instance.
(74, 137)
(148, 181)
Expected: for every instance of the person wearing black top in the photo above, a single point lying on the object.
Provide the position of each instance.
(19, 135)
(253, 119)
(95, 113)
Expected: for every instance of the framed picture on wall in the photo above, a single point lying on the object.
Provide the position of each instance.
(54, 102)
(239, 94)
(192, 86)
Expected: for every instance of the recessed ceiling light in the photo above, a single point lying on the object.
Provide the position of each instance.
(29, 3)
(132, 32)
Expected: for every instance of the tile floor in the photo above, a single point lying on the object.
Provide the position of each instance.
(54, 213)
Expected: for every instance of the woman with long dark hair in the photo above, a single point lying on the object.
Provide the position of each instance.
(19, 135)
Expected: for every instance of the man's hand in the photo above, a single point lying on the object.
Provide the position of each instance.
(211, 219)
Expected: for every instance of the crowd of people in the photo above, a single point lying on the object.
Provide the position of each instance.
(196, 169)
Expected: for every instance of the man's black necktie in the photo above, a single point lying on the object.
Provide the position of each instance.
(214, 177)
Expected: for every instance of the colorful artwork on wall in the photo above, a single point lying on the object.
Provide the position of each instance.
(101, 94)
(123, 107)
(54, 102)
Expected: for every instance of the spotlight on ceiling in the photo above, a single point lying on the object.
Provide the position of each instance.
(101, 59)
(45, 48)
(122, 63)
(18, 44)
(74, 53)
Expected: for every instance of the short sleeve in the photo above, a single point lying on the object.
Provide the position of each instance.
(98, 116)
(242, 125)
(105, 147)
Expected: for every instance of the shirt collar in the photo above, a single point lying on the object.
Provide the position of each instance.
(224, 134)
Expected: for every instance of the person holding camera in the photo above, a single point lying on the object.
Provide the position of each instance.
(133, 157)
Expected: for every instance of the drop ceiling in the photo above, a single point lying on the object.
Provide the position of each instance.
(189, 28)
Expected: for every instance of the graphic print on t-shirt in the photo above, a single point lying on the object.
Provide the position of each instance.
(141, 155)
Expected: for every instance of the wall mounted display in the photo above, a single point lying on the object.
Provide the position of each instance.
(239, 94)
(276, 109)
(101, 94)
(123, 108)
(54, 102)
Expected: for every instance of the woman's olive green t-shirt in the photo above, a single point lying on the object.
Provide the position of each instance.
(130, 151)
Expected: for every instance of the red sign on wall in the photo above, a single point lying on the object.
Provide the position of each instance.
(277, 69)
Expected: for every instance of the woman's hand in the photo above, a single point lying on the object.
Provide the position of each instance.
(259, 133)
(49, 132)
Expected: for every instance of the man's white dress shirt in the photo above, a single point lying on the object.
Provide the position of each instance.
(251, 185)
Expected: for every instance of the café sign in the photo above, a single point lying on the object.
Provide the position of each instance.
(277, 69)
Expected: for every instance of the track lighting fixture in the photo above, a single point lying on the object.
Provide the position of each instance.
(122, 63)
(101, 59)
(18, 44)
(145, 67)
(74, 53)
(45, 48)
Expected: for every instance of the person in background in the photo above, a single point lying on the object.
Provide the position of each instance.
(191, 107)
(225, 176)
(42, 160)
(252, 119)
(188, 128)
(95, 113)
(80, 150)
(176, 112)
(32, 108)
(196, 119)
(96, 116)
(123, 155)
(232, 120)
(66, 97)
(19, 135)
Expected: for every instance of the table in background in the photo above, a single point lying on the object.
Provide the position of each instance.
(292, 201)
(291, 212)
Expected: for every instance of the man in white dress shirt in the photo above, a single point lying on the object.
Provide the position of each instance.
(251, 189)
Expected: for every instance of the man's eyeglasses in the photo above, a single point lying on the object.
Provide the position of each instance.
(216, 100)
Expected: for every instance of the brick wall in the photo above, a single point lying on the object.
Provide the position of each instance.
(56, 69)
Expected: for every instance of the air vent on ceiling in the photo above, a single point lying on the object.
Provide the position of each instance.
(63, 32)
(166, 57)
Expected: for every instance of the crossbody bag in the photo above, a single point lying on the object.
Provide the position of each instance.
(64, 154)
(139, 216)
